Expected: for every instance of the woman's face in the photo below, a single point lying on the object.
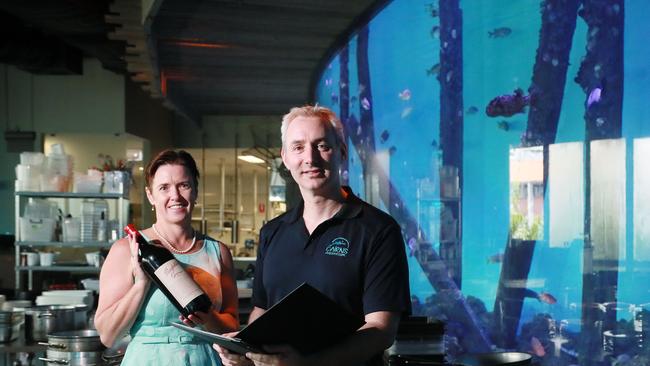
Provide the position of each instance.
(172, 193)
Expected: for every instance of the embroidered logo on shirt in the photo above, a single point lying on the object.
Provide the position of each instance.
(338, 247)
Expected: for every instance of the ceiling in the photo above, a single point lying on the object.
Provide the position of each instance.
(218, 57)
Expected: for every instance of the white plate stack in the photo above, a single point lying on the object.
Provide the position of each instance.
(65, 297)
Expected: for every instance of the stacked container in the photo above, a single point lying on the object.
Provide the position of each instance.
(10, 325)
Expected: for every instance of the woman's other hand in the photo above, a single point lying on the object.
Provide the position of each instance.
(229, 358)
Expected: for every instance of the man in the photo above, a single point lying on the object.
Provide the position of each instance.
(349, 250)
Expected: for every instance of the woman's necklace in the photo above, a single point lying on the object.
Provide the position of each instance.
(169, 244)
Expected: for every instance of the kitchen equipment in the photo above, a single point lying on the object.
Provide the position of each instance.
(495, 359)
(79, 347)
(45, 319)
(10, 305)
(81, 316)
(115, 354)
(46, 258)
(10, 322)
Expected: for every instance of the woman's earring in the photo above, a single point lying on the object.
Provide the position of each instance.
(153, 208)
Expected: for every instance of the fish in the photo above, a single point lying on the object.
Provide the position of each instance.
(499, 32)
(406, 112)
(365, 103)
(434, 143)
(404, 94)
(342, 85)
(541, 297)
(328, 81)
(392, 150)
(594, 96)
(495, 258)
(547, 298)
(413, 246)
(472, 110)
(384, 136)
(507, 105)
(434, 70)
(335, 99)
(435, 32)
(537, 347)
(504, 125)
(362, 88)
(432, 10)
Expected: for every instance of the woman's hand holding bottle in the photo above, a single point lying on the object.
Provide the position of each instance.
(138, 273)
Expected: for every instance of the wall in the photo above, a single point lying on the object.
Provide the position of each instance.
(231, 131)
(88, 103)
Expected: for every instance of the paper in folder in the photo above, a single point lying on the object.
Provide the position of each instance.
(305, 319)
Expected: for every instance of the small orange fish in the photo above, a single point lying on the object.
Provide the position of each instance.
(547, 298)
(537, 347)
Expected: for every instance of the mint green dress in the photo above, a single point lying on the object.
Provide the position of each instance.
(154, 340)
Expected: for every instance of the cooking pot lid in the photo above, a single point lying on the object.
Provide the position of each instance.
(75, 334)
(40, 308)
(495, 359)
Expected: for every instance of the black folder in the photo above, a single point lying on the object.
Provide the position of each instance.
(305, 319)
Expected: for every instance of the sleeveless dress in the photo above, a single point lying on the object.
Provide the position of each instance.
(154, 341)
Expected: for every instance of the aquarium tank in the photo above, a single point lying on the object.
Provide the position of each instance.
(511, 141)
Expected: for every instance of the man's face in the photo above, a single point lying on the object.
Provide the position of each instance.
(312, 154)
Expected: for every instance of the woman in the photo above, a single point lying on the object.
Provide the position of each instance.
(128, 303)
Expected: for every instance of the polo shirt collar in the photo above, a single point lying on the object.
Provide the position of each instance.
(352, 206)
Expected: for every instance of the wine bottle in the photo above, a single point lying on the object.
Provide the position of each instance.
(168, 274)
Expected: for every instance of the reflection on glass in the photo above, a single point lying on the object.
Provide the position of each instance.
(526, 193)
(566, 194)
(608, 199)
(641, 199)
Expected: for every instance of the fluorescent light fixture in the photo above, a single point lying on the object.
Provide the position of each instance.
(251, 159)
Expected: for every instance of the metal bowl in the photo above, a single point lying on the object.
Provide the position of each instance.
(495, 359)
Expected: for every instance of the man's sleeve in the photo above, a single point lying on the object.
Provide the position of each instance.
(386, 283)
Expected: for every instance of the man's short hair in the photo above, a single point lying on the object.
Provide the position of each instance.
(325, 114)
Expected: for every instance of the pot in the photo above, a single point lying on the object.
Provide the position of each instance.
(10, 322)
(495, 359)
(75, 341)
(81, 316)
(45, 319)
(73, 358)
(74, 348)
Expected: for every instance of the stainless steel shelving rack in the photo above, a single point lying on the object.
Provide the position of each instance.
(122, 204)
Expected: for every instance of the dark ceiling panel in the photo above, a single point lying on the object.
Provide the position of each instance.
(234, 57)
(247, 57)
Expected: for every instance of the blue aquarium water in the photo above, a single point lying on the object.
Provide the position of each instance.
(511, 141)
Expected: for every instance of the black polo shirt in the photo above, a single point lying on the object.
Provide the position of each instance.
(357, 258)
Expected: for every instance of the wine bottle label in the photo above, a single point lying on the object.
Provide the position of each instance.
(178, 282)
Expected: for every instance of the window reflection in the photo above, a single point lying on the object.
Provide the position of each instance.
(566, 194)
(608, 199)
(526, 193)
(641, 199)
